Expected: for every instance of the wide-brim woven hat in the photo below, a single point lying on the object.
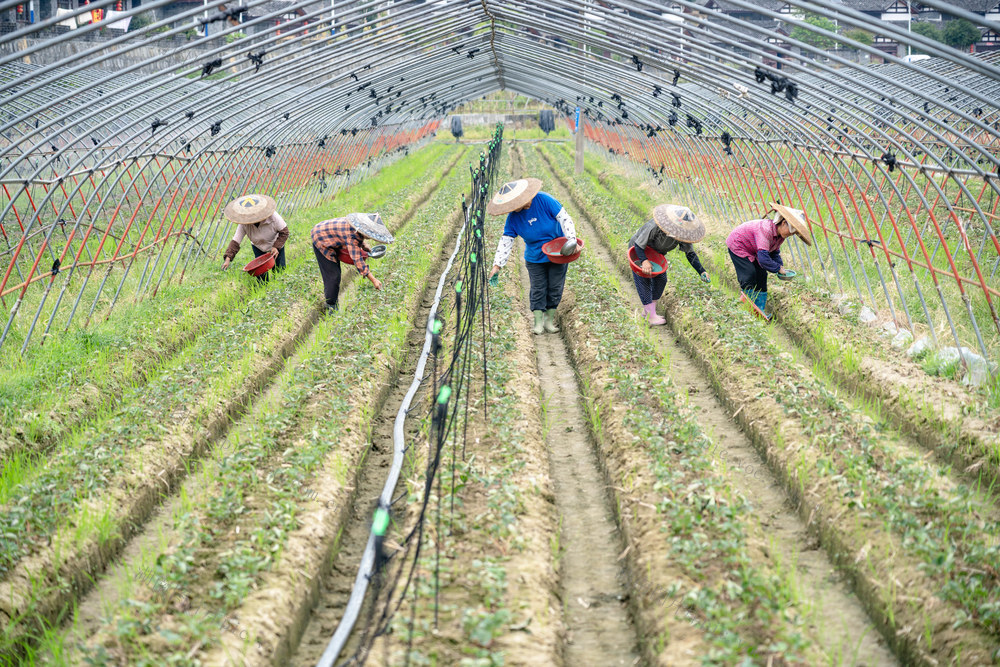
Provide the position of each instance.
(797, 219)
(371, 225)
(514, 195)
(248, 209)
(679, 222)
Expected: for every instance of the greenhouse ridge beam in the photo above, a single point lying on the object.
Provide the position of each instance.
(943, 303)
(904, 153)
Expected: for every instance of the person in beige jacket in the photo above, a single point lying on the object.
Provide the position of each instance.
(260, 222)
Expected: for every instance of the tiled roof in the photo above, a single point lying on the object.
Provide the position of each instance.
(270, 7)
(975, 6)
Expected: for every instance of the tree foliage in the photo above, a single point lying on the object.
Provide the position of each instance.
(139, 21)
(960, 34)
(927, 30)
(816, 38)
(860, 36)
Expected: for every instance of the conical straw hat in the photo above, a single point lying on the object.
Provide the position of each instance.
(679, 222)
(370, 224)
(513, 196)
(249, 209)
(797, 219)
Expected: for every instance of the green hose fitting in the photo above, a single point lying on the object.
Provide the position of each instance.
(381, 522)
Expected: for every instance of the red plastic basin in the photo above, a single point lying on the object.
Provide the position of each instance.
(658, 261)
(345, 256)
(552, 250)
(260, 265)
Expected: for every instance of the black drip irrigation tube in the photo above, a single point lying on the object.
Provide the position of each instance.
(469, 289)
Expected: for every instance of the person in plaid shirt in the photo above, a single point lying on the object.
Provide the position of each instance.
(349, 233)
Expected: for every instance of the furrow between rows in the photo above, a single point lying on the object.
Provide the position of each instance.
(846, 475)
(201, 395)
(239, 563)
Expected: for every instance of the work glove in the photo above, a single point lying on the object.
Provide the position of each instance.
(705, 278)
(495, 280)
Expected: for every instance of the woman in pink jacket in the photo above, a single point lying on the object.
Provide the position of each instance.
(754, 249)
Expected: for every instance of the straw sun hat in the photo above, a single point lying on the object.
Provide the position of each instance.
(370, 224)
(248, 209)
(796, 219)
(514, 195)
(678, 222)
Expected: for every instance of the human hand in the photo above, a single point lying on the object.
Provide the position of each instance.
(781, 270)
(646, 267)
(274, 252)
(225, 264)
(376, 283)
(495, 280)
(705, 278)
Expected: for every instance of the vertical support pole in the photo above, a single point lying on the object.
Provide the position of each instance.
(578, 164)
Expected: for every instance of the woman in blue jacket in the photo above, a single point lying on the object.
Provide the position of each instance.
(537, 217)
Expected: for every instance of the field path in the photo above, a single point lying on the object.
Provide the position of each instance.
(592, 576)
(338, 582)
(839, 621)
(132, 570)
(594, 583)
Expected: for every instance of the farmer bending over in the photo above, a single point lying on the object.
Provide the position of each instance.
(537, 217)
(670, 227)
(753, 247)
(330, 237)
(258, 221)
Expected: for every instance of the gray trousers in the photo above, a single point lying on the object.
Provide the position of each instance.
(547, 282)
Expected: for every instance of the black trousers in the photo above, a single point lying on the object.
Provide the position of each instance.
(752, 276)
(547, 282)
(330, 271)
(279, 261)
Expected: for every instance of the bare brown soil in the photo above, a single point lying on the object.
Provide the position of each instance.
(533, 635)
(859, 546)
(781, 538)
(302, 600)
(336, 585)
(594, 584)
(136, 494)
(536, 586)
(837, 619)
(666, 637)
(536, 631)
(330, 499)
(938, 412)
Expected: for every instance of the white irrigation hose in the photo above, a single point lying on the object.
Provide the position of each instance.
(365, 572)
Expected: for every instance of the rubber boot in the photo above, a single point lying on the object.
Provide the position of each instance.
(539, 322)
(550, 321)
(654, 319)
(760, 300)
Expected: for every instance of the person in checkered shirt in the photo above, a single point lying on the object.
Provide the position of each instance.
(332, 238)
